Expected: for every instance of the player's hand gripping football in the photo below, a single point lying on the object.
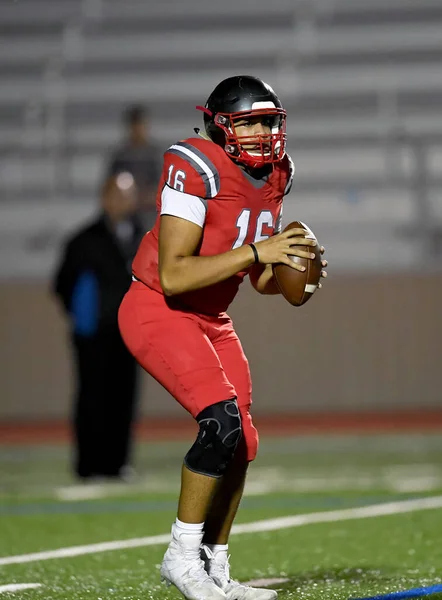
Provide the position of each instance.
(324, 263)
(278, 248)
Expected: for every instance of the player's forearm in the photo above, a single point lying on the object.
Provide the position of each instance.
(270, 287)
(263, 281)
(188, 273)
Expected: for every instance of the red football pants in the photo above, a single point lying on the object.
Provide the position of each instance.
(197, 358)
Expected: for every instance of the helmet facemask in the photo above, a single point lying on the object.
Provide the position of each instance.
(267, 148)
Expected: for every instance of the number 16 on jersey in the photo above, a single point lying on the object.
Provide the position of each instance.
(265, 219)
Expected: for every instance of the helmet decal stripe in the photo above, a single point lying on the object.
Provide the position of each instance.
(203, 165)
(259, 105)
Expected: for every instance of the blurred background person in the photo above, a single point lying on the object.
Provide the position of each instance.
(93, 275)
(141, 158)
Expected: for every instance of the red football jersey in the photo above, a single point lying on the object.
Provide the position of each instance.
(202, 184)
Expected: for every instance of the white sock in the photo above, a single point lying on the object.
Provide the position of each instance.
(189, 527)
(219, 551)
(192, 532)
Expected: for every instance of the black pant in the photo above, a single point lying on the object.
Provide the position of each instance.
(104, 405)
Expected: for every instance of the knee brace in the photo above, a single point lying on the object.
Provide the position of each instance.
(218, 437)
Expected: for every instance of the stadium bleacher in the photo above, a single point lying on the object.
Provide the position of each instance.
(361, 82)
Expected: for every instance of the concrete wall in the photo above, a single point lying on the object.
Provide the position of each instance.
(363, 342)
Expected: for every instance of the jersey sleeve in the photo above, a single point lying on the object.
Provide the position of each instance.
(188, 169)
(182, 205)
(278, 223)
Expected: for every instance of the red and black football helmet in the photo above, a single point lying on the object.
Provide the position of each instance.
(243, 97)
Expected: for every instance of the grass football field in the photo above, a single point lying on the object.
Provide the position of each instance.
(367, 520)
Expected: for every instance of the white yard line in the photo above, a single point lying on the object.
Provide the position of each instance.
(92, 492)
(406, 478)
(262, 487)
(18, 587)
(267, 581)
(89, 549)
(74, 493)
(363, 512)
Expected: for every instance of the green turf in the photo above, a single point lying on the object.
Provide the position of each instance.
(345, 559)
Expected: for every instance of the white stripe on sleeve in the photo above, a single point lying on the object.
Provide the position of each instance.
(203, 165)
(278, 224)
(178, 204)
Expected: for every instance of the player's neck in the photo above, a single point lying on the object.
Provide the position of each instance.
(258, 173)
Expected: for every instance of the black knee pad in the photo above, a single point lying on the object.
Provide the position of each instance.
(218, 437)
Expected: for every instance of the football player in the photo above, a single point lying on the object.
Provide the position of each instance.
(219, 219)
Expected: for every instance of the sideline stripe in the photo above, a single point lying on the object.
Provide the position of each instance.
(414, 593)
(363, 512)
(17, 587)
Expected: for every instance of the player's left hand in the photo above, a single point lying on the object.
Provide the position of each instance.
(324, 263)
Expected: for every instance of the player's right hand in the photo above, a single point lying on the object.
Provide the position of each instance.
(278, 248)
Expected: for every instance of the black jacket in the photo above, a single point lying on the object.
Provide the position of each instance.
(96, 249)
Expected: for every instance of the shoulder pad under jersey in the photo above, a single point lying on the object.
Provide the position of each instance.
(291, 174)
(192, 166)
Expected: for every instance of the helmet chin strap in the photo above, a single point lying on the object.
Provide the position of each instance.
(246, 165)
(247, 158)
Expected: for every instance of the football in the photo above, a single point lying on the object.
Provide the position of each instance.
(299, 286)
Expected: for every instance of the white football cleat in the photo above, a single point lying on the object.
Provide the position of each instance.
(183, 567)
(217, 566)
